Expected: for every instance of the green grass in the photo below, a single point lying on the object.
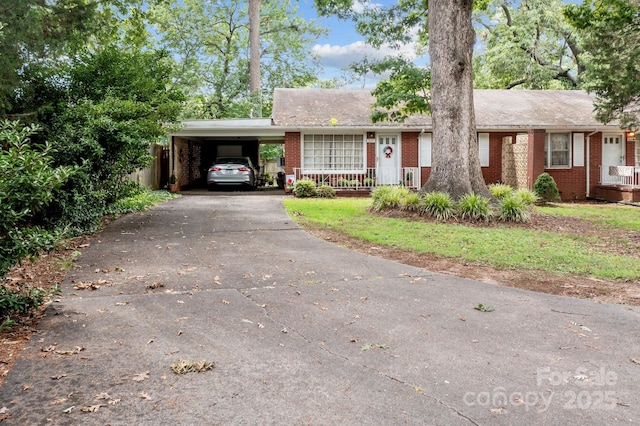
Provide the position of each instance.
(614, 215)
(501, 247)
(143, 200)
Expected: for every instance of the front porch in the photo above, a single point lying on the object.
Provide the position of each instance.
(366, 181)
(618, 183)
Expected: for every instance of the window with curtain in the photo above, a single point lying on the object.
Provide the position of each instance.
(558, 150)
(343, 153)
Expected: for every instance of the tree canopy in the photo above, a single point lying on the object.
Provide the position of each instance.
(211, 43)
(36, 32)
(611, 34)
(526, 44)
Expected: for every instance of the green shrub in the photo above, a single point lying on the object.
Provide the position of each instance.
(475, 207)
(139, 200)
(513, 209)
(437, 204)
(20, 301)
(326, 191)
(500, 190)
(29, 241)
(410, 202)
(545, 187)
(527, 196)
(388, 197)
(304, 188)
(29, 183)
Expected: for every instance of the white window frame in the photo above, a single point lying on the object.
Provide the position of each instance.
(327, 140)
(578, 150)
(548, 153)
(424, 146)
(483, 149)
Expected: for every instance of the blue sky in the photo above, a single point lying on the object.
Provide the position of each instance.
(343, 46)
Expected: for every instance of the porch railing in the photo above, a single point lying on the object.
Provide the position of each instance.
(620, 175)
(407, 176)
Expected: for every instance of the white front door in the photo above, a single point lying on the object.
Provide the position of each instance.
(388, 153)
(612, 155)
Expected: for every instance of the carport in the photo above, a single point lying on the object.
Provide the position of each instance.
(195, 146)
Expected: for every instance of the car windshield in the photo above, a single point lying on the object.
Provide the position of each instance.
(232, 160)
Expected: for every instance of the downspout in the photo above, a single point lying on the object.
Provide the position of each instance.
(587, 192)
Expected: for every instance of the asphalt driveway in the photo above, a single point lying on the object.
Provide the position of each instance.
(303, 332)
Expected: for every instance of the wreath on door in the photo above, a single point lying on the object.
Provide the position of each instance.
(387, 151)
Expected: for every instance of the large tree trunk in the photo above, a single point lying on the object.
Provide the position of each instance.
(455, 166)
(254, 56)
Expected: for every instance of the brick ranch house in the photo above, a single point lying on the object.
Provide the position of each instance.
(328, 136)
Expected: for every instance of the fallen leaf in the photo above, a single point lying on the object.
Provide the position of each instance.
(185, 366)
(153, 286)
(59, 376)
(140, 377)
(114, 401)
(58, 401)
(145, 395)
(225, 302)
(26, 387)
(635, 361)
(91, 408)
(102, 395)
(81, 285)
(4, 410)
(75, 351)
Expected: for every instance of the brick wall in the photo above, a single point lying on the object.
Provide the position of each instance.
(180, 162)
(292, 149)
(572, 182)
(595, 160)
(493, 173)
(410, 149)
(535, 154)
(371, 155)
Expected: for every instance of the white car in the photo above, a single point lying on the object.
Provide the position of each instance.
(232, 171)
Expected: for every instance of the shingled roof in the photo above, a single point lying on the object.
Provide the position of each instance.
(495, 109)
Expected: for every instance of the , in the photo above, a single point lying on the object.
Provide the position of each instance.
(232, 171)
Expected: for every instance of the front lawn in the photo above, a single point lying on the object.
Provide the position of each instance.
(596, 240)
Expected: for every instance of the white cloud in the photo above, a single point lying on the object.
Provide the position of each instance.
(335, 56)
(361, 6)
